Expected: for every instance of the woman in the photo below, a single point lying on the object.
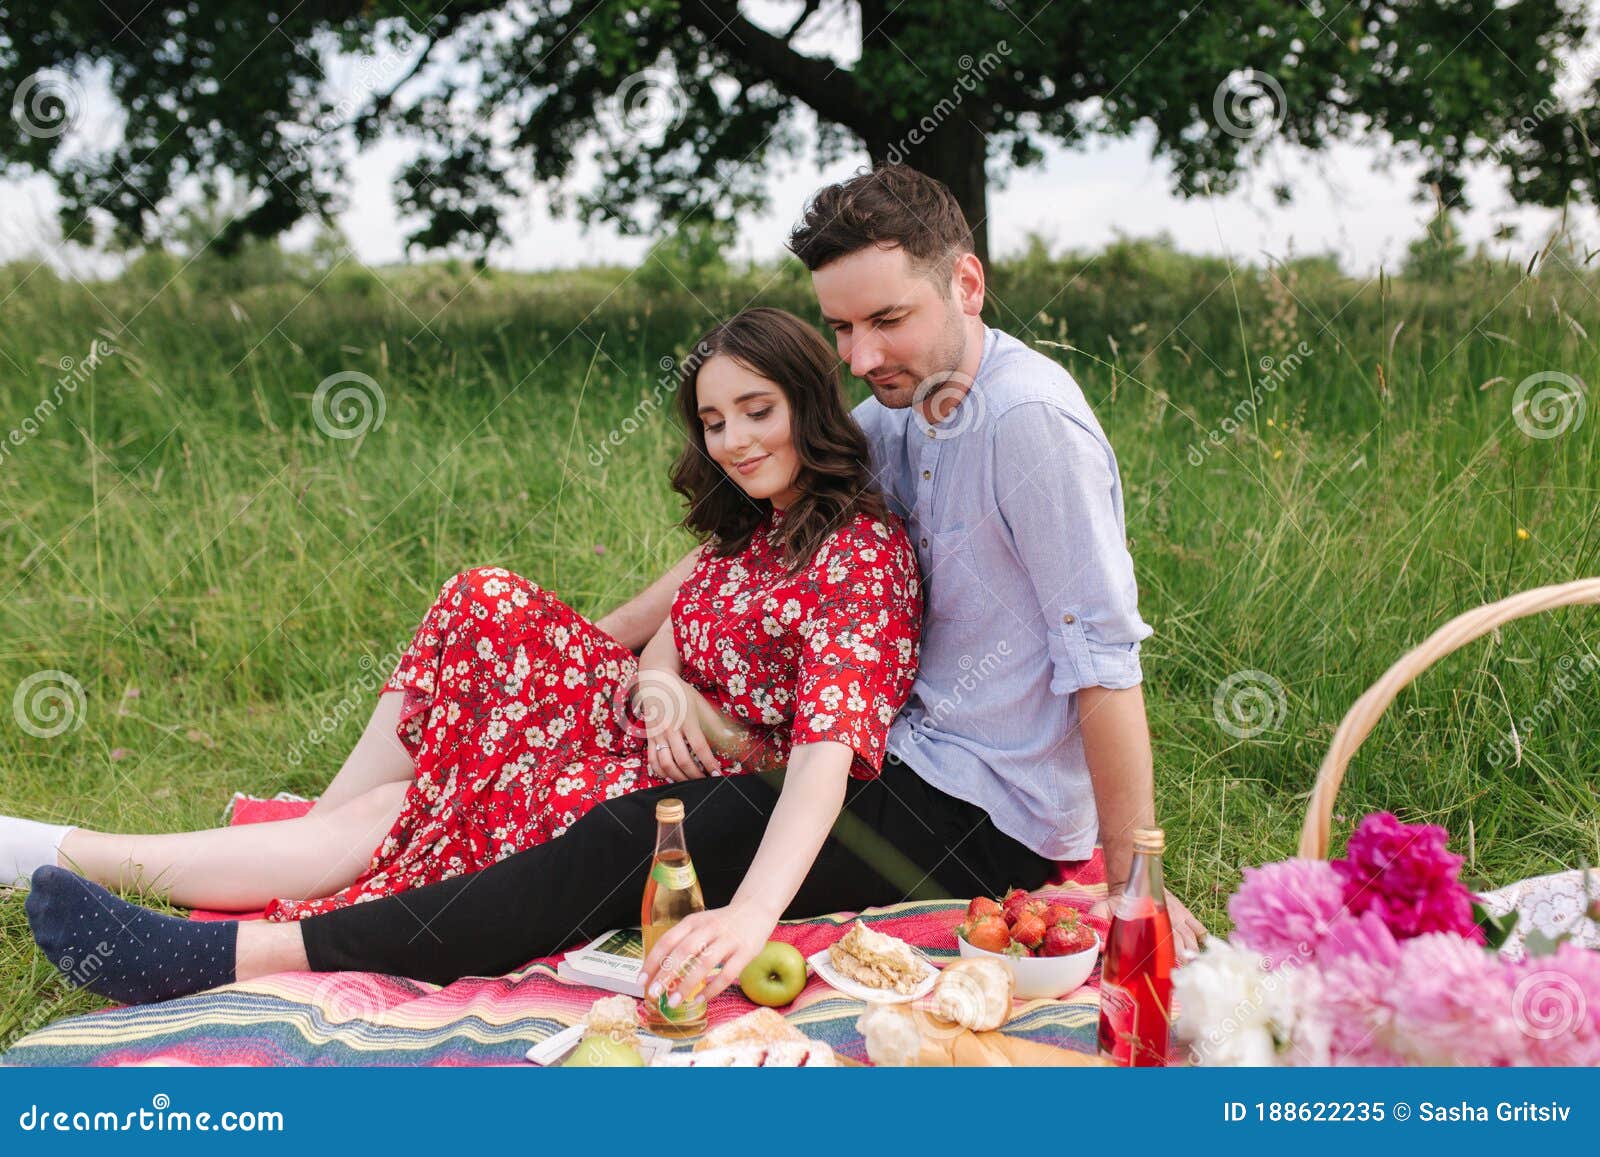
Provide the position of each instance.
(510, 715)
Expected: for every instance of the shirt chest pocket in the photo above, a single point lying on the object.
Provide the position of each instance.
(951, 586)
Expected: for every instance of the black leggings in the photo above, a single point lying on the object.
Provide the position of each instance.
(897, 838)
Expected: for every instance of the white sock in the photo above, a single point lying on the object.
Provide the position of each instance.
(26, 845)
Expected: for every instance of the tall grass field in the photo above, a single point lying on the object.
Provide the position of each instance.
(227, 502)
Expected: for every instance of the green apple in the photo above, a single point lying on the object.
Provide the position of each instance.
(775, 976)
(601, 1052)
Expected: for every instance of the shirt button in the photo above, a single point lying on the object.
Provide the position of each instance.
(927, 474)
(1068, 619)
(931, 434)
(924, 542)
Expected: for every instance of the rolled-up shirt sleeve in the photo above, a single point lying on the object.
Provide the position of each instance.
(1059, 495)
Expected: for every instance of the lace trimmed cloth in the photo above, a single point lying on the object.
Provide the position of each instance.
(1553, 904)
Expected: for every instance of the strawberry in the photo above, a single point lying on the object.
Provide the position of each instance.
(1028, 929)
(988, 933)
(1060, 914)
(1065, 939)
(1016, 948)
(983, 906)
(1017, 902)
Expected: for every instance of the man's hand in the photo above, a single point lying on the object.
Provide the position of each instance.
(1187, 932)
(683, 959)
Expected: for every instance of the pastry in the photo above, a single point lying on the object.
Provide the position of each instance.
(614, 1016)
(895, 1035)
(878, 960)
(762, 1027)
(785, 1054)
(974, 993)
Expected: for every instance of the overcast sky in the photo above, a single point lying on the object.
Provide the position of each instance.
(1346, 202)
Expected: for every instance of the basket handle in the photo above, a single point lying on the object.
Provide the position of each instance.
(1364, 714)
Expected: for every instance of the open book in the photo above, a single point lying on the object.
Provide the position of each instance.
(612, 961)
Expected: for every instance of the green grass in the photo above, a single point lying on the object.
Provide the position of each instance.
(218, 574)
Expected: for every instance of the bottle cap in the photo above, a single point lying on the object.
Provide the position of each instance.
(669, 811)
(1149, 840)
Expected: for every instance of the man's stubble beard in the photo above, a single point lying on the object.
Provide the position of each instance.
(943, 362)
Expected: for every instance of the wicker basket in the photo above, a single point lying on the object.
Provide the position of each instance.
(1363, 716)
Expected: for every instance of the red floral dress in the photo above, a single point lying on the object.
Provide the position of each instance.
(516, 707)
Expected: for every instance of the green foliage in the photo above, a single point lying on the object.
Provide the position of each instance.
(1439, 253)
(691, 102)
(690, 257)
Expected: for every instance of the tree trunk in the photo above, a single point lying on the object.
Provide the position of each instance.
(953, 150)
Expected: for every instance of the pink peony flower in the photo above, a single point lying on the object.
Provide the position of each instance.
(1282, 910)
(1357, 958)
(1453, 1003)
(1555, 1006)
(1404, 873)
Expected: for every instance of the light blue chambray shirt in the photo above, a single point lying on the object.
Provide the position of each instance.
(1015, 508)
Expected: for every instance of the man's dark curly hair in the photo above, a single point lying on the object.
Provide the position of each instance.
(886, 206)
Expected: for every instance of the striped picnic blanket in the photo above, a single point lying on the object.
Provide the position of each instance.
(353, 1018)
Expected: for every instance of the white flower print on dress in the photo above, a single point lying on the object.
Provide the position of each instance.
(509, 693)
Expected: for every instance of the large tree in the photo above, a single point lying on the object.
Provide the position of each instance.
(692, 101)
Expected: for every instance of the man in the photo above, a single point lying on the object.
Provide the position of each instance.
(1025, 738)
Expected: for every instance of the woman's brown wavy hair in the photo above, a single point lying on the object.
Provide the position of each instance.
(835, 479)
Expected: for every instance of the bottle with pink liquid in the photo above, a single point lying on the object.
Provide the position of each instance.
(1136, 971)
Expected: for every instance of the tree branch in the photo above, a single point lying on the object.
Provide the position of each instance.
(828, 89)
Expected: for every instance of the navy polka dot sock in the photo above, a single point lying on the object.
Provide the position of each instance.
(120, 950)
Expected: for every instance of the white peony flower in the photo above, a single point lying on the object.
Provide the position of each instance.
(1235, 1011)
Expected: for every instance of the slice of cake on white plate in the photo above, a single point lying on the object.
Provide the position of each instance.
(762, 1038)
(878, 960)
(784, 1055)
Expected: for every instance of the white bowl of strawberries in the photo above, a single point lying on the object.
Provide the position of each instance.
(1048, 947)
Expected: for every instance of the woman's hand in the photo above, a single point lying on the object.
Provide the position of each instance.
(1187, 932)
(677, 745)
(683, 959)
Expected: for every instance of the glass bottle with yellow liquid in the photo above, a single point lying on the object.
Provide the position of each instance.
(671, 892)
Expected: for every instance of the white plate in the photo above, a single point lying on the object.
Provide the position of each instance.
(822, 964)
(551, 1051)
